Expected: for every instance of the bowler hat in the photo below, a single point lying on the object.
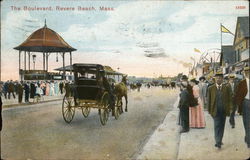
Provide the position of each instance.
(202, 78)
(184, 77)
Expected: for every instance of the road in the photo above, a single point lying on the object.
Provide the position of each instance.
(39, 131)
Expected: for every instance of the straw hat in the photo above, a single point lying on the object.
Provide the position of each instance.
(246, 68)
(218, 73)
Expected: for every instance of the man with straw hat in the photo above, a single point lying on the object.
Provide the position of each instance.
(219, 106)
(243, 103)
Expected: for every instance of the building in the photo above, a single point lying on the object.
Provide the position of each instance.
(43, 41)
(241, 44)
(228, 58)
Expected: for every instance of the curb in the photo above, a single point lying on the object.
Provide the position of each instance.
(164, 142)
(27, 104)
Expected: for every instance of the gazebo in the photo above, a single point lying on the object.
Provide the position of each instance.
(45, 41)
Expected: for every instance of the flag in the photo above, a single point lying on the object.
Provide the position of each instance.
(196, 50)
(225, 30)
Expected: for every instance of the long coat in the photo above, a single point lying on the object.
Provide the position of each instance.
(240, 94)
(227, 99)
(1, 122)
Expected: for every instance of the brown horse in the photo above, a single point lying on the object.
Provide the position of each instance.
(121, 91)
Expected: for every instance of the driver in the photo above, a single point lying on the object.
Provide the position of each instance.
(110, 90)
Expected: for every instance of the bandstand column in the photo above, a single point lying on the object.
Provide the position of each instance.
(43, 61)
(64, 66)
(25, 60)
(19, 60)
(70, 62)
(29, 59)
(47, 61)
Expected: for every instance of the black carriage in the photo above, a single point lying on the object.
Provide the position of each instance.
(91, 88)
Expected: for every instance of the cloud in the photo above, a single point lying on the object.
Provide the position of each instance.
(17, 26)
(156, 55)
(206, 8)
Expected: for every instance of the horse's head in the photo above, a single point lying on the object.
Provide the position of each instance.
(124, 79)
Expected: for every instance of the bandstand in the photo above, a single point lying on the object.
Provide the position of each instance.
(43, 41)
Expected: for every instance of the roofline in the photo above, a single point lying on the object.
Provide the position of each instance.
(44, 49)
(237, 27)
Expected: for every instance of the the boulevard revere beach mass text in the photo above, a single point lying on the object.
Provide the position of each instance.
(62, 8)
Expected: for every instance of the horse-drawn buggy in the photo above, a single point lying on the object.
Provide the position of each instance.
(92, 88)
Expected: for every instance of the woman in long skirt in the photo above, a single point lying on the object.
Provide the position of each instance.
(196, 114)
(47, 88)
(56, 88)
(51, 89)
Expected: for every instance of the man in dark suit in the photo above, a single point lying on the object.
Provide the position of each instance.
(219, 106)
(184, 105)
(61, 85)
(233, 84)
(20, 91)
(11, 89)
(1, 122)
(26, 91)
(243, 103)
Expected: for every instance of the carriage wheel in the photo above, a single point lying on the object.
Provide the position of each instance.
(68, 109)
(118, 108)
(104, 110)
(85, 111)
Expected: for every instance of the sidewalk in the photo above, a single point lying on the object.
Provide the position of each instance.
(14, 102)
(198, 144)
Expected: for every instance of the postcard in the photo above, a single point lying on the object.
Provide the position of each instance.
(150, 79)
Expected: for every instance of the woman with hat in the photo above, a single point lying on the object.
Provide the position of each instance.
(196, 114)
(203, 90)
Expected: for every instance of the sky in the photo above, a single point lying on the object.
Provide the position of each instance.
(141, 38)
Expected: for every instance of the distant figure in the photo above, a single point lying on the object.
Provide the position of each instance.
(5, 89)
(1, 88)
(20, 92)
(219, 105)
(32, 90)
(172, 85)
(51, 89)
(242, 100)
(27, 91)
(56, 88)
(138, 85)
(43, 87)
(61, 86)
(11, 89)
(47, 88)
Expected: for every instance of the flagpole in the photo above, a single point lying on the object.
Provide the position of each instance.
(221, 41)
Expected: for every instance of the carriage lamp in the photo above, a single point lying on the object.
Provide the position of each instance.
(34, 60)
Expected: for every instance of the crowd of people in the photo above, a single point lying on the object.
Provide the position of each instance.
(24, 90)
(222, 96)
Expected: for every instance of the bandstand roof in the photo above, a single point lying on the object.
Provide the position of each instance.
(45, 40)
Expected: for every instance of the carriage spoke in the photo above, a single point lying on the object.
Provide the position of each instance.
(68, 109)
